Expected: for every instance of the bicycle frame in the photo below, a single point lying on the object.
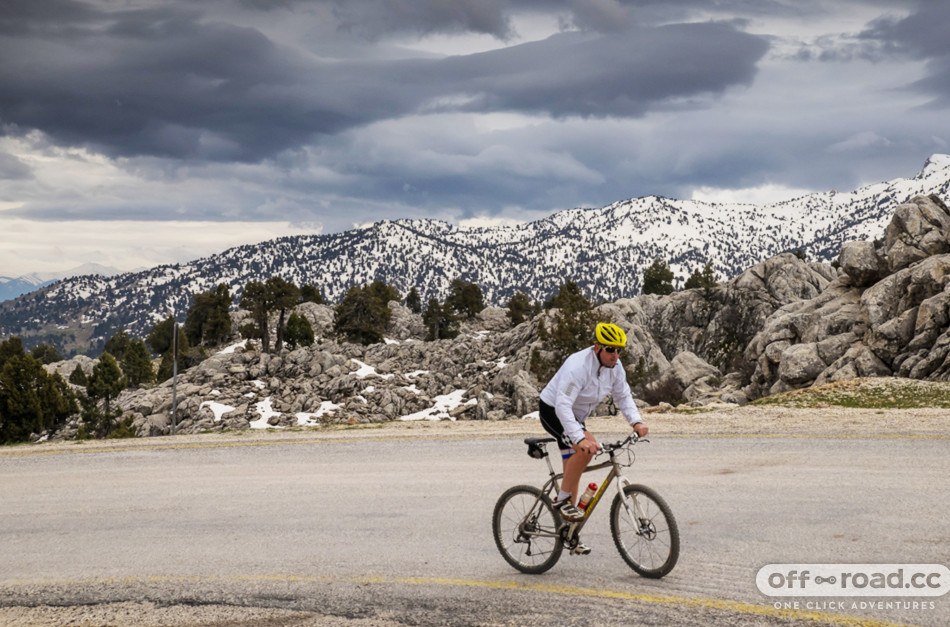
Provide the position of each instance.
(552, 485)
(641, 523)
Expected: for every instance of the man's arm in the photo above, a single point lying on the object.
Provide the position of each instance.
(566, 397)
(624, 399)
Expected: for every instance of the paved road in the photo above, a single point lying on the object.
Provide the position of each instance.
(398, 529)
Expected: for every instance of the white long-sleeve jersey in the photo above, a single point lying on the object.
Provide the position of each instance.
(580, 384)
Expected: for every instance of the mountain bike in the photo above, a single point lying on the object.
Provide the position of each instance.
(531, 535)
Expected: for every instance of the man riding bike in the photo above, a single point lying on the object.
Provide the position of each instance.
(582, 382)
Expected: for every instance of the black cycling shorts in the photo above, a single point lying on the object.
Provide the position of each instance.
(552, 424)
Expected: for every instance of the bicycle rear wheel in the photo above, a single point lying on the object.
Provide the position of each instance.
(525, 528)
(648, 540)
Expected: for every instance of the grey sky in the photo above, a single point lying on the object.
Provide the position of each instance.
(190, 126)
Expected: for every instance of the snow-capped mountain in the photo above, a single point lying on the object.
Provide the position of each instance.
(11, 287)
(604, 250)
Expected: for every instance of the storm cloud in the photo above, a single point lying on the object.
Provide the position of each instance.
(323, 114)
(169, 83)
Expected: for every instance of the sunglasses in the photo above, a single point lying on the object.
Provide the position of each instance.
(612, 349)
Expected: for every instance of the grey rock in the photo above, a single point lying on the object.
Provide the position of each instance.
(861, 262)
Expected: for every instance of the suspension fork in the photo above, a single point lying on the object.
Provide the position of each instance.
(622, 493)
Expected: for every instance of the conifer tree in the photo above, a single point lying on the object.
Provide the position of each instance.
(137, 364)
(575, 321)
(117, 344)
(106, 381)
(440, 321)
(310, 294)
(414, 301)
(360, 317)
(520, 308)
(658, 278)
(282, 296)
(706, 279)
(78, 376)
(46, 354)
(209, 318)
(31, 400)
(465, 298)
(160, 338)
(254, 299)
(299, 331)
(383, 292)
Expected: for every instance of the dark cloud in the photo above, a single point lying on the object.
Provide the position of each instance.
(619, 75)
(171, 83)
(921, 35)
(374, 18)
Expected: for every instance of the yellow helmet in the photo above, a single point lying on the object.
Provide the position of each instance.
(608, 334)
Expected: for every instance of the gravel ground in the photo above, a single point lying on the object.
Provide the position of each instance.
(766, 422)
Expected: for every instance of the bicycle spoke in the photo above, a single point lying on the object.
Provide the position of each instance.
(525, 530)
(646, 535)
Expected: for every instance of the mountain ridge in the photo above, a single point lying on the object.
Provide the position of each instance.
(604, 250)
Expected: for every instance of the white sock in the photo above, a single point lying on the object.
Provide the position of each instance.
(561, 495)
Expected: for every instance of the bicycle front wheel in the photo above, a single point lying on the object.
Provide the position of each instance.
(646, 535)
(525, 528)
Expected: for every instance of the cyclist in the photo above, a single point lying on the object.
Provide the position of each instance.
(582, 382)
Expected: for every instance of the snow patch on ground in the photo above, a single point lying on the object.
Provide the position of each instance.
(365, 370)
(443, 406)
(218, 409)
(233, 347)
(327, 408)
(266, 410)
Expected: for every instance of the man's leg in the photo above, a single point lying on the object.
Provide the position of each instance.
(573, 469)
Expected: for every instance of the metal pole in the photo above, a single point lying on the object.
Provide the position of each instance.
(175, 378)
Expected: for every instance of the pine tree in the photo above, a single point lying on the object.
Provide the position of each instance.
(137, 364)
(78, 376)
(360, 317)
(209, 318)
(9, 348)
(440, 321)
(575, 322)
(520, 308)
(117, 345)
(46, 353)
(706, 279)
(254, 299)
(465, 298)
(658, 278)
(383, 292)
(282, 296)
(31, 400)
(160, 338)
(106, 382)
(310, 294)
(21, 412)
(299, 331)
(414, 301)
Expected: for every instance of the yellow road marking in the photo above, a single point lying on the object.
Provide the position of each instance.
(738, 607)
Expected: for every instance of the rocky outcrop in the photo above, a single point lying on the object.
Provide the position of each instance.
(886, 314)
(782, 324)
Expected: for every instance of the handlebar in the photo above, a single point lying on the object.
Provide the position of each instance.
(609, 447)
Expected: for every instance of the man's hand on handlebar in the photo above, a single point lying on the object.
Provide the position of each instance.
(588, 445)
(641, 429)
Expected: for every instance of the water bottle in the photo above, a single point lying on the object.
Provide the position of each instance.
(587, 496)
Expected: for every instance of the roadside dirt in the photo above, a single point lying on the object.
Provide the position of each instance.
(762, 421)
